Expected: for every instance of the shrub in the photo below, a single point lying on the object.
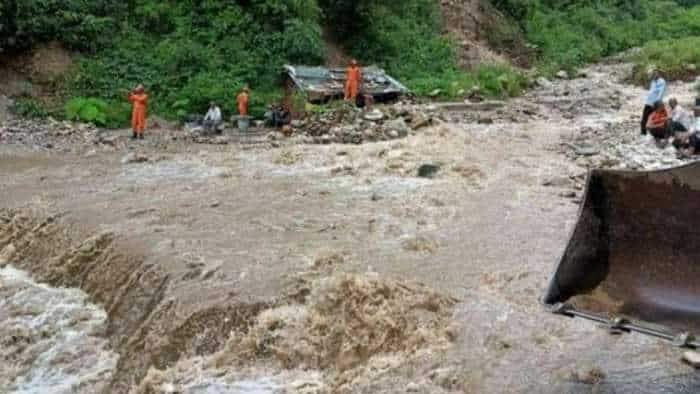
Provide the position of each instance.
(569, 34)
(97, 111)
(493, 80)
(679, 59)
(28, 107)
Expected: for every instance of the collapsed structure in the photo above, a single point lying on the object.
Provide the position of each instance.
(321, 84)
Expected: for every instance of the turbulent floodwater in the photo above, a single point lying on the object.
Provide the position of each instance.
(51, 339)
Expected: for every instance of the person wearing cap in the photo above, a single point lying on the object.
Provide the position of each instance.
(353, 80)
(657, 90)
(139, 102)
(242, 101)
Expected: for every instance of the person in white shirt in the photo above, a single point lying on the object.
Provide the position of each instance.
(212, 120)
(681, 119)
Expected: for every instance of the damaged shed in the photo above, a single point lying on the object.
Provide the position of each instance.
(321, 84)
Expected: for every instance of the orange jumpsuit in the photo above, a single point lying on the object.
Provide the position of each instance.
(139, 101)
(242, 100)
(352, 82)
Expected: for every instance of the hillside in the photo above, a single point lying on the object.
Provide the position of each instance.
(188, 53)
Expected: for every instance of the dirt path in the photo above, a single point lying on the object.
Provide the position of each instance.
(230, 229)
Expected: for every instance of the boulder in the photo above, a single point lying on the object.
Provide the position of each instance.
(374, 115)
(428, 170)
(419, 120)
(544, 83)
(399, 125)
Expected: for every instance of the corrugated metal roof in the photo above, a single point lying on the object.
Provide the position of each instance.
(327, 82)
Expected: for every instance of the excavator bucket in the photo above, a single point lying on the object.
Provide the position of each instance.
(633, 259)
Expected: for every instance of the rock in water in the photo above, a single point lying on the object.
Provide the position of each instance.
(374, 115)
(428, 170)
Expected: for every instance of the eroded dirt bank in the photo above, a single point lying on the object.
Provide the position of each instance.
(335, 268)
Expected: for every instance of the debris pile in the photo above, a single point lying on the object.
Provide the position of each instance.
(46, 133)
(620, 146)
(349, 125)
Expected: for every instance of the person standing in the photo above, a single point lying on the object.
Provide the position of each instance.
(139, 102)
(242, 101)
(657, 90)
(353, 80)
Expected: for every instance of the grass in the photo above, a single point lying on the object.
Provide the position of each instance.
(493, 81)
(678, 59)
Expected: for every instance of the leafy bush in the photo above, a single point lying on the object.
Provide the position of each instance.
(97, 111)
(404, 37)
(492, 80)
(82, 25)
(678, 59)
(187, 54)
(569, 34)
(28, 107)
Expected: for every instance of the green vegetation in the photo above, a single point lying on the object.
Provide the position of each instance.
(569, 34)
(492, 80)
(97, 111)
(678, 59)
(187, 53)
(404, 38)
(29, 107)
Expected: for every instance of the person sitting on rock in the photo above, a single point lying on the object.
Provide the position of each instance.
(212, 120)
(681, 119)
(657, 123)
(277, 116)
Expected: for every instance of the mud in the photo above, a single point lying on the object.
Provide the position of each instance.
(336, 268)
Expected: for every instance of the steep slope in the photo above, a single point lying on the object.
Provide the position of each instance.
(473, 23)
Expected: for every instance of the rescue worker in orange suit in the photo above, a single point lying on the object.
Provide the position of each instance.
(242, 101)
(353, 80)
(139, 102)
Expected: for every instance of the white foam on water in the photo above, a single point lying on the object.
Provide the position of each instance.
(51, 339)
(214, 386)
